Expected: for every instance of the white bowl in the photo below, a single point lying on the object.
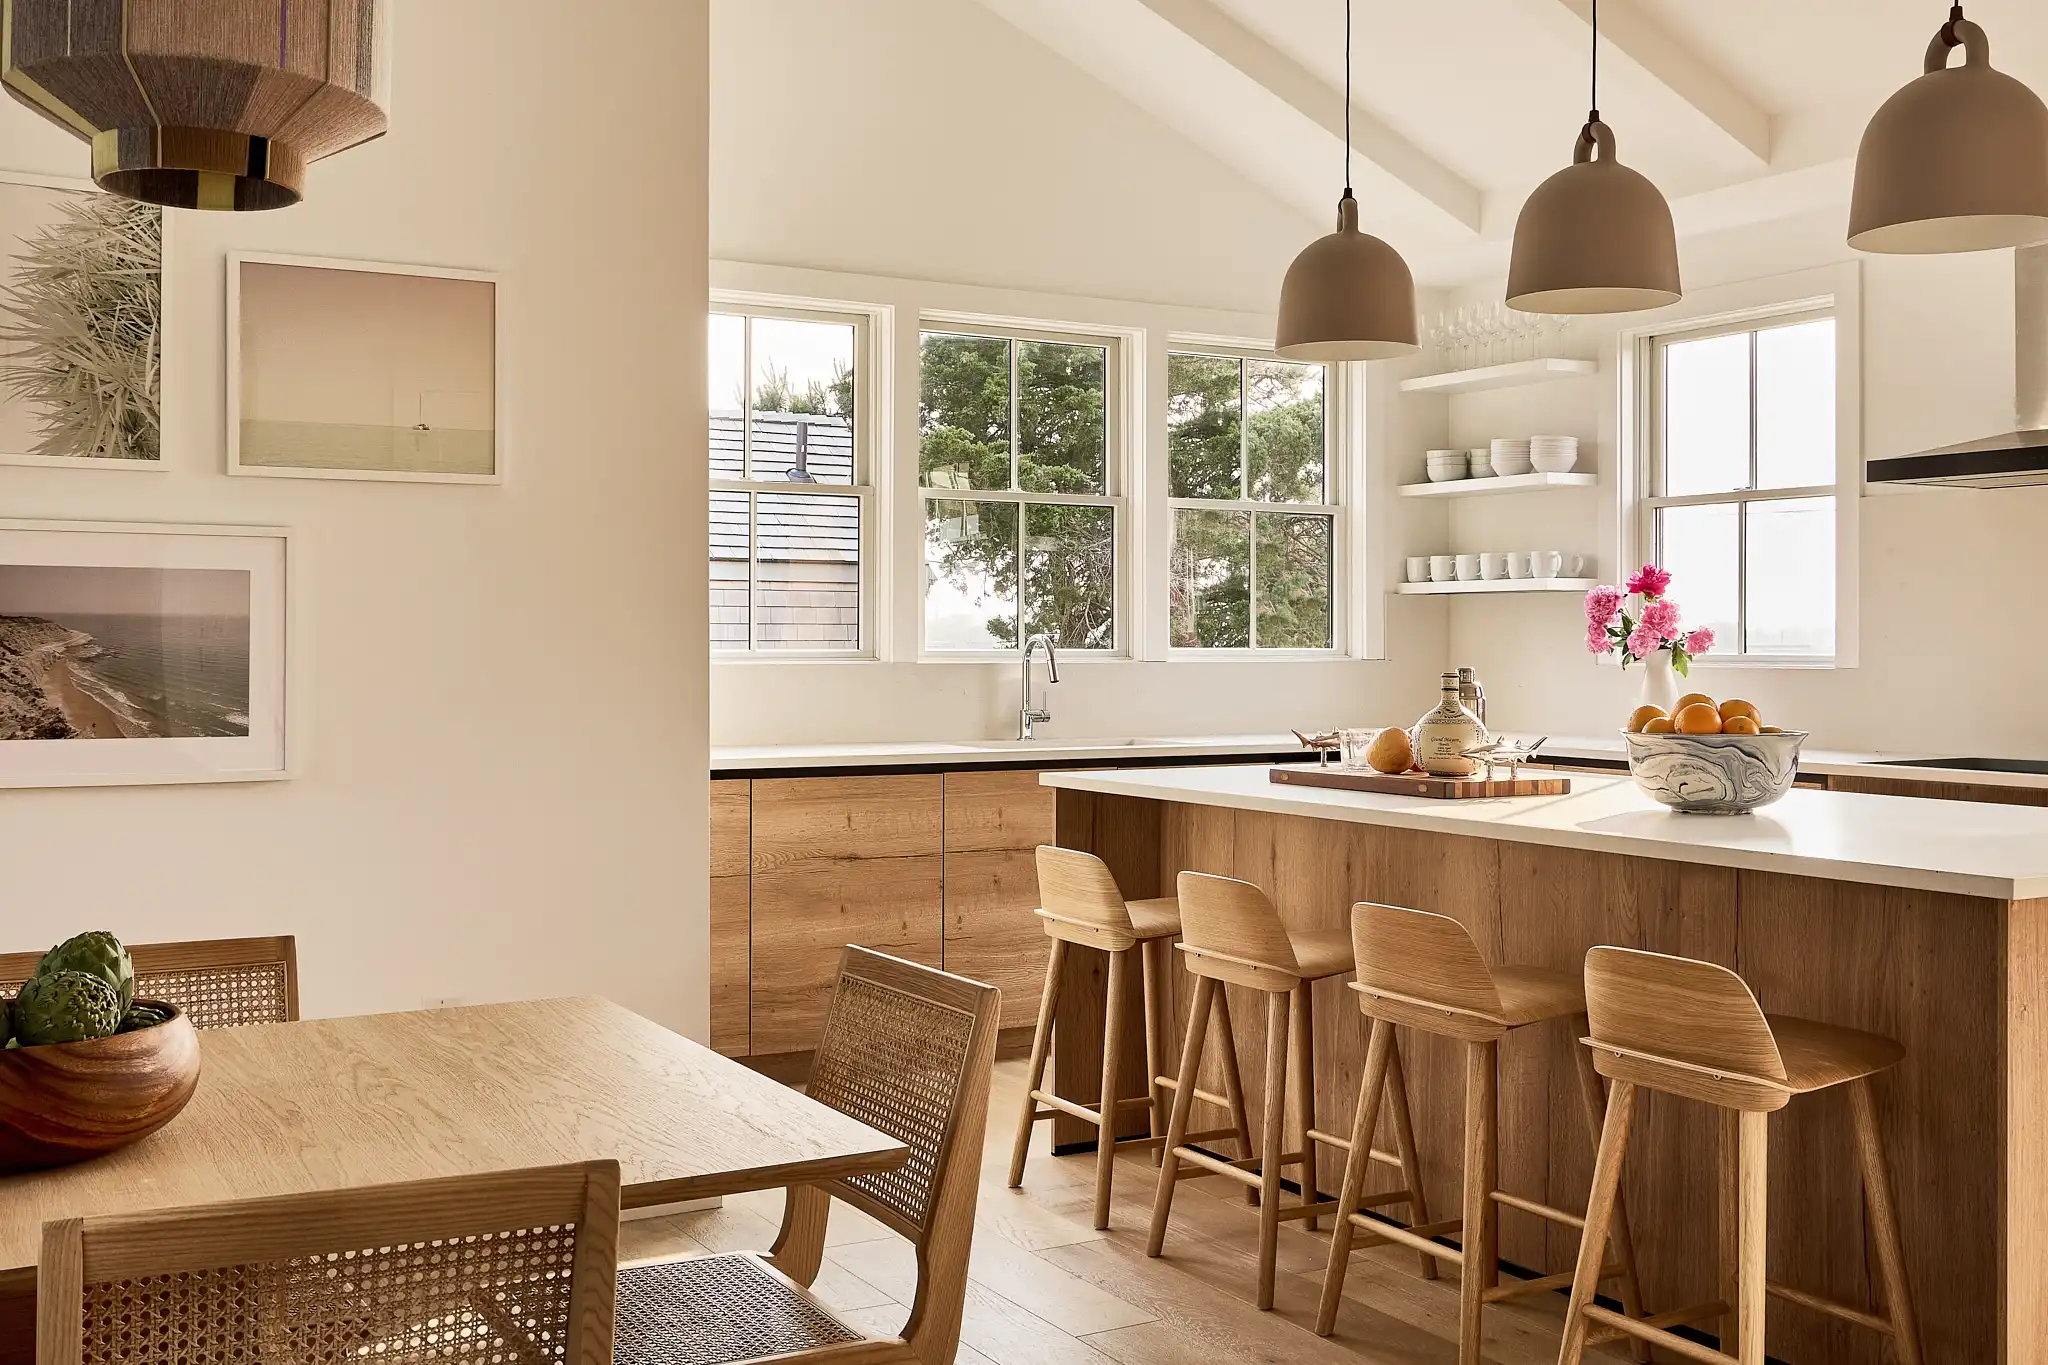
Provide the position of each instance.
(1715, 774)
(1446, 473)
(1554, 462)
(1507, 466)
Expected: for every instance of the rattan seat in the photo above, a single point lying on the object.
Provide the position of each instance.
(708, 1310)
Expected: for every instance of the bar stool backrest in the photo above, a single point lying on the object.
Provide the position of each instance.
(1079, 886)
(1234, 920)
(1417, 955)
(1698, 1014)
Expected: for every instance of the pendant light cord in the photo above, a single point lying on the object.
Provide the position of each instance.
(1594, 103)
(1347, 99)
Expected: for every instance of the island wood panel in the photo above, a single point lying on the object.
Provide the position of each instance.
(731, 907)
(838, 860)
(1920, 967)
(1941, 791)
(994, 823)
(1124, 832)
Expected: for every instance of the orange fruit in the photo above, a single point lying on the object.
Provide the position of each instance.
(1658, 725)
(1689, 698)
(1740, 725)
(1735, 706)
(1642, 716)
(1700, 718)
(1770, 730)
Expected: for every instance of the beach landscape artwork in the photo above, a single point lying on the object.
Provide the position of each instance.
(81, 324)
(139, 654)
(354, 370)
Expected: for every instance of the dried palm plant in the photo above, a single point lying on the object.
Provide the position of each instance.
(83, 316)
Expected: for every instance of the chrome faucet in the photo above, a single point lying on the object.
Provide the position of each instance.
(1026, 717)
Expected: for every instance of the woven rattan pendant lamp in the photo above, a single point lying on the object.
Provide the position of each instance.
(1597, 236)
(1955, 161)
(206, 104)
(1348, 296)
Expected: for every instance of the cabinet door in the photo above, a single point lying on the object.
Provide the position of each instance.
(994, 825)
(838, 860)
(731, 905)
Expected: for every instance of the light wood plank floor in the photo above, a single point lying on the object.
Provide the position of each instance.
(1045, 1288)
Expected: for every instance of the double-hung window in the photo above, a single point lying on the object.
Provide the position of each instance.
(1742, 478)
(789, 485)
(1249, 478)
(1017, 473)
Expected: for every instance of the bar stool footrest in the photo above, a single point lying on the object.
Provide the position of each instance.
(1515, 1289)
(1832, 1307)
(1541, 1210)
(1372, 1233)
(1655, 1330)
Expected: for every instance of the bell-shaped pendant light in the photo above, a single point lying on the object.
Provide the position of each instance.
(1596, 237)
(1348, 296)
(1955, 161)
(206, 104)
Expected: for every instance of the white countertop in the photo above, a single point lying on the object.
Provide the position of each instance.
(1812, 762)
(1957, 847)
(972, 752)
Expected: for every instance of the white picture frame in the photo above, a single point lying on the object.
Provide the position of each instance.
(54, 579)
(259, 369)
(12, 439)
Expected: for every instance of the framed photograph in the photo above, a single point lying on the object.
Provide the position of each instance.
(362, 370)
(81, 326)
(140, 653)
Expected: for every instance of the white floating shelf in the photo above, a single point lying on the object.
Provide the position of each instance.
(1501, 585)
(1512, 483)
(1511, 375)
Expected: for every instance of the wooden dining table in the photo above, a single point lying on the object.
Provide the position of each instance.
(326, 1104)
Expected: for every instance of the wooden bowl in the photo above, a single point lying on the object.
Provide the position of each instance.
(64, 1102)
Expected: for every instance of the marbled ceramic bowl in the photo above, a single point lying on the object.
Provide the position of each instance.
(1715, 774)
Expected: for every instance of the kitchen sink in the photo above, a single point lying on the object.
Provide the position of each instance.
(2034, 766)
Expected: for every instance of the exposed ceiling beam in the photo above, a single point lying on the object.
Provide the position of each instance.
(1648, 46)
(1280, 75)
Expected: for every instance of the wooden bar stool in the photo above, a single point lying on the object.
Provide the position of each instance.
(1693, 1029)
(1232, 934)
(1423, 971)
(1081, 904)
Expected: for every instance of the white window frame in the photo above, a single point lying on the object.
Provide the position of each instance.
(1119, 354)
(870, 397)
(1334, 508)
(1750, 307)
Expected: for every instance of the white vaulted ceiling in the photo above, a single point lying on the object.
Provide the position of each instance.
(1741, 110)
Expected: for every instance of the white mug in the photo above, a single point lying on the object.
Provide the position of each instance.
(1545, 563)
(1518, 564)
(1418, 568)
(1442, 569)
(1575, 566)
(1468, 568)
(1493, 565)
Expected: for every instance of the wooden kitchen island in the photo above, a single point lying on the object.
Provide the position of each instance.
(1923, 920)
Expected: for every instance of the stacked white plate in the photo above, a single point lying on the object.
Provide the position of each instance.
(1446, 465)
(1511, 456)
(1479, 463)
(1553, 454)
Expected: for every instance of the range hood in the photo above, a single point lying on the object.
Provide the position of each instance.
(2019, 457)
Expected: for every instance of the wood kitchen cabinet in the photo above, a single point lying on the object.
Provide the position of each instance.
(995, 822)
(731, 905)
(838, 860)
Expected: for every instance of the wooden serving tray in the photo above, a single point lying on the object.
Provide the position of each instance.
(1418, 784)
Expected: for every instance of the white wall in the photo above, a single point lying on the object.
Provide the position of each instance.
(906, 146)
(1952, 654)
(498, 693)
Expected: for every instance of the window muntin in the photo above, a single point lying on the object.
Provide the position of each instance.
(787, 563)
(1016, 467)
(1252, 563)
(1742, 480)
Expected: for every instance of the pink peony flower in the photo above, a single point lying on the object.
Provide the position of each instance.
(1650, 581)
(1643, 642)
(1660, 618)
(1700, 641)
(1603, 604)
(1596, 640)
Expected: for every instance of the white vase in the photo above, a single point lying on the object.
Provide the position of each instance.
(1660, 684)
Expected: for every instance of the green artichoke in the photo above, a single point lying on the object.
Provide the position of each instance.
(96, 953)
(65, 1007)
(142, 1015)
